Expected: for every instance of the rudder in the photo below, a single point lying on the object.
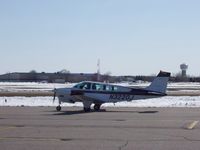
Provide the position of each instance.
(159, 84)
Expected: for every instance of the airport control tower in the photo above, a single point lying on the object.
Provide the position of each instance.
(183, 68)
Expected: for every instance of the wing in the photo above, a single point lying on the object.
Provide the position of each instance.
(81, 95)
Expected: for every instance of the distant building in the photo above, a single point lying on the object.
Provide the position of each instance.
(78, 77)
(48, 77)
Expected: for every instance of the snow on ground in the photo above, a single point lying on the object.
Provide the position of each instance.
(34, 86)
(167, 101)
(31, 86)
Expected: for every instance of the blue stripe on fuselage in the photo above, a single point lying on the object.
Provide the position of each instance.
(132, 92)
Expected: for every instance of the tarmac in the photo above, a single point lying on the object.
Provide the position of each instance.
(42, 128)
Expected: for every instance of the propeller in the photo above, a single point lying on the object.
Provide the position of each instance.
(54, 95)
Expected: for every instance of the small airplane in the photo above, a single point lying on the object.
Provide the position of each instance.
(98, 93)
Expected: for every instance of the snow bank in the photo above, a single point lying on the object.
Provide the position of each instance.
(167, 101)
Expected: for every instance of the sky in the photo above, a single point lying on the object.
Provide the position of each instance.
(130, 37)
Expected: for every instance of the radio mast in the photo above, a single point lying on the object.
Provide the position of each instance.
(98, 70)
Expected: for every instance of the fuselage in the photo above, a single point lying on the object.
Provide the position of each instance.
(103, 93)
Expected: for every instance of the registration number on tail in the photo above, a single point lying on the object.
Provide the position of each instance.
(121, 97)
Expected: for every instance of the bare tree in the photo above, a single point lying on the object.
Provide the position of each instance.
(64, 71)
(33, 71)
(106, 76)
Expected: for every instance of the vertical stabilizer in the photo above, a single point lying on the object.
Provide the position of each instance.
(159, 84)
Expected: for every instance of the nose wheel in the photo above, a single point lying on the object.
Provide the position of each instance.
(58, 108)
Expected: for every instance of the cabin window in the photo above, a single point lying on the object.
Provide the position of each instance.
(114, 88)
(106, 88)
(109, 87)
(96, 86)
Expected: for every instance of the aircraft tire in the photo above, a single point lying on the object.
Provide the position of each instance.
(97, 107)
(58, 108)
(86, 109)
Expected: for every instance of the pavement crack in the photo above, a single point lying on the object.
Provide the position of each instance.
(189, 139)
(123, 145)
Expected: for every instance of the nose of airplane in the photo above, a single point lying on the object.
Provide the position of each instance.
(68, 91)
(63, 91)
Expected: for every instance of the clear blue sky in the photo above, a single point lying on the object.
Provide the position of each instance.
(130, 37)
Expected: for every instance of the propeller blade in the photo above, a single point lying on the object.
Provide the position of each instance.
(54, 95)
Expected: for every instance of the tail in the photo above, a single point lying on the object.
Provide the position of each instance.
(159, 84)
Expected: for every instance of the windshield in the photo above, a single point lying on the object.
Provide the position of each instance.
(83, 85)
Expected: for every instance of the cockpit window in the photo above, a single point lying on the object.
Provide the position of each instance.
(85, 85)
(78, 85)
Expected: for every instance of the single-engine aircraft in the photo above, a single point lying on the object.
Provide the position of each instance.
(97, 93)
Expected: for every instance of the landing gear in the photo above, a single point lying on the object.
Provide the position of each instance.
(58, 108)
(86, 109)
(97, 107)
(86, 106)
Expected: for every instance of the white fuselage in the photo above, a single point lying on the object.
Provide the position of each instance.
(98, 93)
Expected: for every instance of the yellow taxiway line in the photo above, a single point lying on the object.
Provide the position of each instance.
(6, 128)
(192, 125)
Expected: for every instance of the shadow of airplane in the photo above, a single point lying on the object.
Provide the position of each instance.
(148, 112)
(74, 112)
(140, 112)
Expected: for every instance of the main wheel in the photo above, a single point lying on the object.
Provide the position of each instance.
(58, 108)
(86, 109)
(97, 107)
